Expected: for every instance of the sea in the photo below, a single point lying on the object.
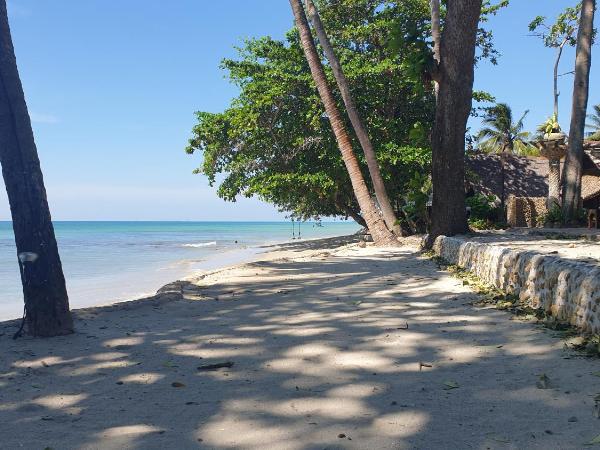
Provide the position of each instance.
(108, 262)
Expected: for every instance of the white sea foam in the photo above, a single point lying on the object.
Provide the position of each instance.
(201, 244)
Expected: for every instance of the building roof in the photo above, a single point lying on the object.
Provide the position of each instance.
(527, 176)
(590, 187)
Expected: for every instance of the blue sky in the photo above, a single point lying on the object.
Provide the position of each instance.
(112, 87)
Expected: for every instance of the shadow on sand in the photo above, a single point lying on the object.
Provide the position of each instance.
(321, 359)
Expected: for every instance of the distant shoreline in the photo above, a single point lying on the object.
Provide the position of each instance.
(144, 283)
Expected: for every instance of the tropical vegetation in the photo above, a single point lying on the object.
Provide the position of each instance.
(275, 141)
(501, 134)
(594, 123)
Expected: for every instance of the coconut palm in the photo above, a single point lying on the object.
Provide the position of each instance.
(501, 135)
(381, 234)
(357, 123)
(594, 125)
(46, 300)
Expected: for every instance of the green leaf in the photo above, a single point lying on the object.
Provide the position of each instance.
(451, 385)
(594, 441)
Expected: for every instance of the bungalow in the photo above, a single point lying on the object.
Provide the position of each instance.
(509, 175)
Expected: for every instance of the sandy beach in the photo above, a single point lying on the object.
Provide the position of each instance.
(318, 344)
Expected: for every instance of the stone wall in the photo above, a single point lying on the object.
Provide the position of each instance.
(566, 289)
(525, 211)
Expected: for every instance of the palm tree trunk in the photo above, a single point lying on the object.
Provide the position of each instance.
(379, 231)
(363, 137)
(456, 75)
(573, 168)
(46, 302)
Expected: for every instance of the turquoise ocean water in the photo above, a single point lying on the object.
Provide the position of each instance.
(105, 262)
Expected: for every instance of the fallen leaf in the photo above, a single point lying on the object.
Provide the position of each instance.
(594, 441)
(498, 438)
(543, 382)
(177, 384)
(451, 385)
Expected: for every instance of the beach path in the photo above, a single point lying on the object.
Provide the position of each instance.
(315, 347)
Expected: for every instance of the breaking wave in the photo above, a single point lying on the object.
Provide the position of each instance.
(201, 244)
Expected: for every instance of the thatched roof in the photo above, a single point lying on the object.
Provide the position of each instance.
(527, 176)
(590, 187)
(523, 176)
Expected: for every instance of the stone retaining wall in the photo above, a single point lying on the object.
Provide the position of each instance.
(566, 289)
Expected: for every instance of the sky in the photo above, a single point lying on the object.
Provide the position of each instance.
(112, 87)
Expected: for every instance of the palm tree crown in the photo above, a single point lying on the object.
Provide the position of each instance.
(594, 124)
(500, 134)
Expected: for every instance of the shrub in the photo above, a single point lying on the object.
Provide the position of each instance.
(484, 213)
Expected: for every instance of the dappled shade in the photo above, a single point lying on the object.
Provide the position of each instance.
(329, 351)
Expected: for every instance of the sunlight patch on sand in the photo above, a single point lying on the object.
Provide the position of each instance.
(142, 378)
(400, 424)
(59, 401)
(132, 340)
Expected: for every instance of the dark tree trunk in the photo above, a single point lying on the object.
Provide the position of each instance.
(454, 101)
(356, 217)
(357, 123)
(436, 34)
(46, 301)
(572, 170)
(378, 229)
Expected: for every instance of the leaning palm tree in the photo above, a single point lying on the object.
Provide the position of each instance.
(594, 125)
(381, 234)
(46, 300)
(389, 216)
(501, 135)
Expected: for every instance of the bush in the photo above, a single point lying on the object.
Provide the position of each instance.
(484, 213)
(553, 215)
(414, 210)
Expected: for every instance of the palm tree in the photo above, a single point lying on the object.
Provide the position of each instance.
(502, 135)
(357, 123)
(46, 302)
(381, 234)
(594, 124)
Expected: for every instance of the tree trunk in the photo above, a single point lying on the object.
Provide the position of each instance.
(46, 302)
(359, 128)
(356, 217)
(456, 75)
(572, 170)
(436, 35)
(379, 231)
(553, 183)
(556, 64)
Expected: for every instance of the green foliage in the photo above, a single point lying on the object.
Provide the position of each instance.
(484, 212)
(275, 140)
(415, 203)
(594, 124)
(562, 32)
(501, 134)
(417, 45)
(482, 206)
(555, 216)
(551, 125)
